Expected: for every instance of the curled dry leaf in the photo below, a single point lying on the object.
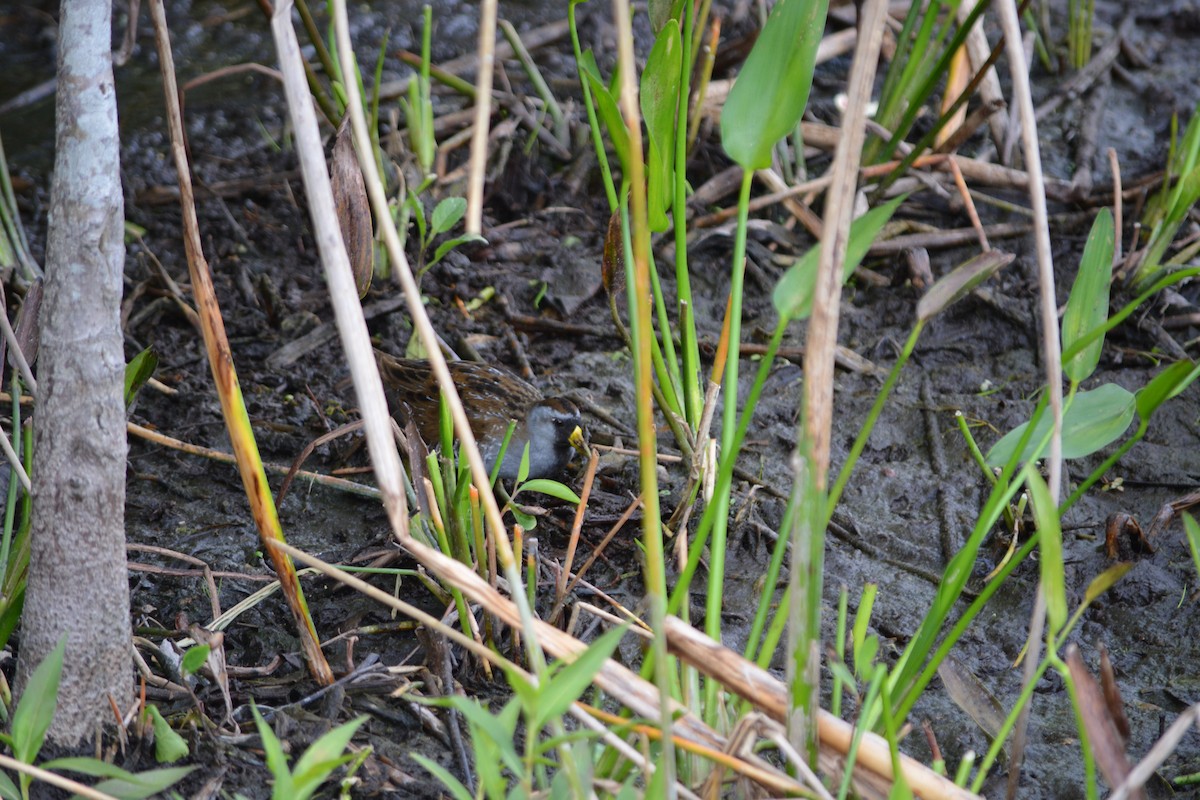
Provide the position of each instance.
(969, 694)
(613, 265)
(1121, 525)
(1108, 748)
(959, 283)
(27, 322)
(353, 208)
(919, 271)
(1112, 695)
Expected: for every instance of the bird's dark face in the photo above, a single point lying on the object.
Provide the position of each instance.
(554, 427)
(558, 412)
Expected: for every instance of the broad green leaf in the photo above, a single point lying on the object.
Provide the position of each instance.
(1187, 153)
(169, 746)
(419, 118)
(1087, 307)
(528, 522)
(1105, 581)
(658, 784)
(1099, 585)
(452, 784)
(8, 789)
(37, 705)
(446, 215)
(840, 670)
(659, 98)
(606, 108)
(322, 757)
(662, 11)
(417, 211)
(1045, 512)
(121, 783)
(499, 728)
(524, 689)
(864, 656)
(450, 244)
(138, 371)
(585, 762)
(560, 787)
(491, 775)
(960, 282)
(523, 469)
(794, 293)
(10, 616)
(772, 88)
(86, 765)
(1165, 385)
(1092, 421)
(152, 783)
(194, 658)
(564, 686)
(551, 488)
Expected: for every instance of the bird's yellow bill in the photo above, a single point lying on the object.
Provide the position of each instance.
(576, 441)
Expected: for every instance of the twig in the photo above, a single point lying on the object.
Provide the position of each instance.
(14, 346)
(1118, 204)
(972, 214)
(538, 37)
(1077, 84)
(14, 461)
(294, 350)
(483, 114)
(227, 458)
(767, 693)
(535, 77)
(576, 527)
(497, 604)
(53, 779)
(1052, 352)
(613, 531)
(1160, 752)
(811, 457)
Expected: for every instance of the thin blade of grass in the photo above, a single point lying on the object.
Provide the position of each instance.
(1087, 306)
(1045, 511)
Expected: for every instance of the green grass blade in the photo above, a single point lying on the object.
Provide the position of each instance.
(1165, 385)
(1193, 536)
(138, 371)
(1087, 307)
(452, 784)
(793, 294)
(39, 701)
(659, 97)
(1045, 511)
(772, 88)
(567, 684)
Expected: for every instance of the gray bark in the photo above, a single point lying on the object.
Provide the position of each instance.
(77, 571)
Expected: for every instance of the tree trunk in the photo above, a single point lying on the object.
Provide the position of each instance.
(77, 572)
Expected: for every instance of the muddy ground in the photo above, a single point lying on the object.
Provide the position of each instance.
(914, 496)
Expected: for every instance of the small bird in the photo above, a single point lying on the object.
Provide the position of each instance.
(491, 397)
